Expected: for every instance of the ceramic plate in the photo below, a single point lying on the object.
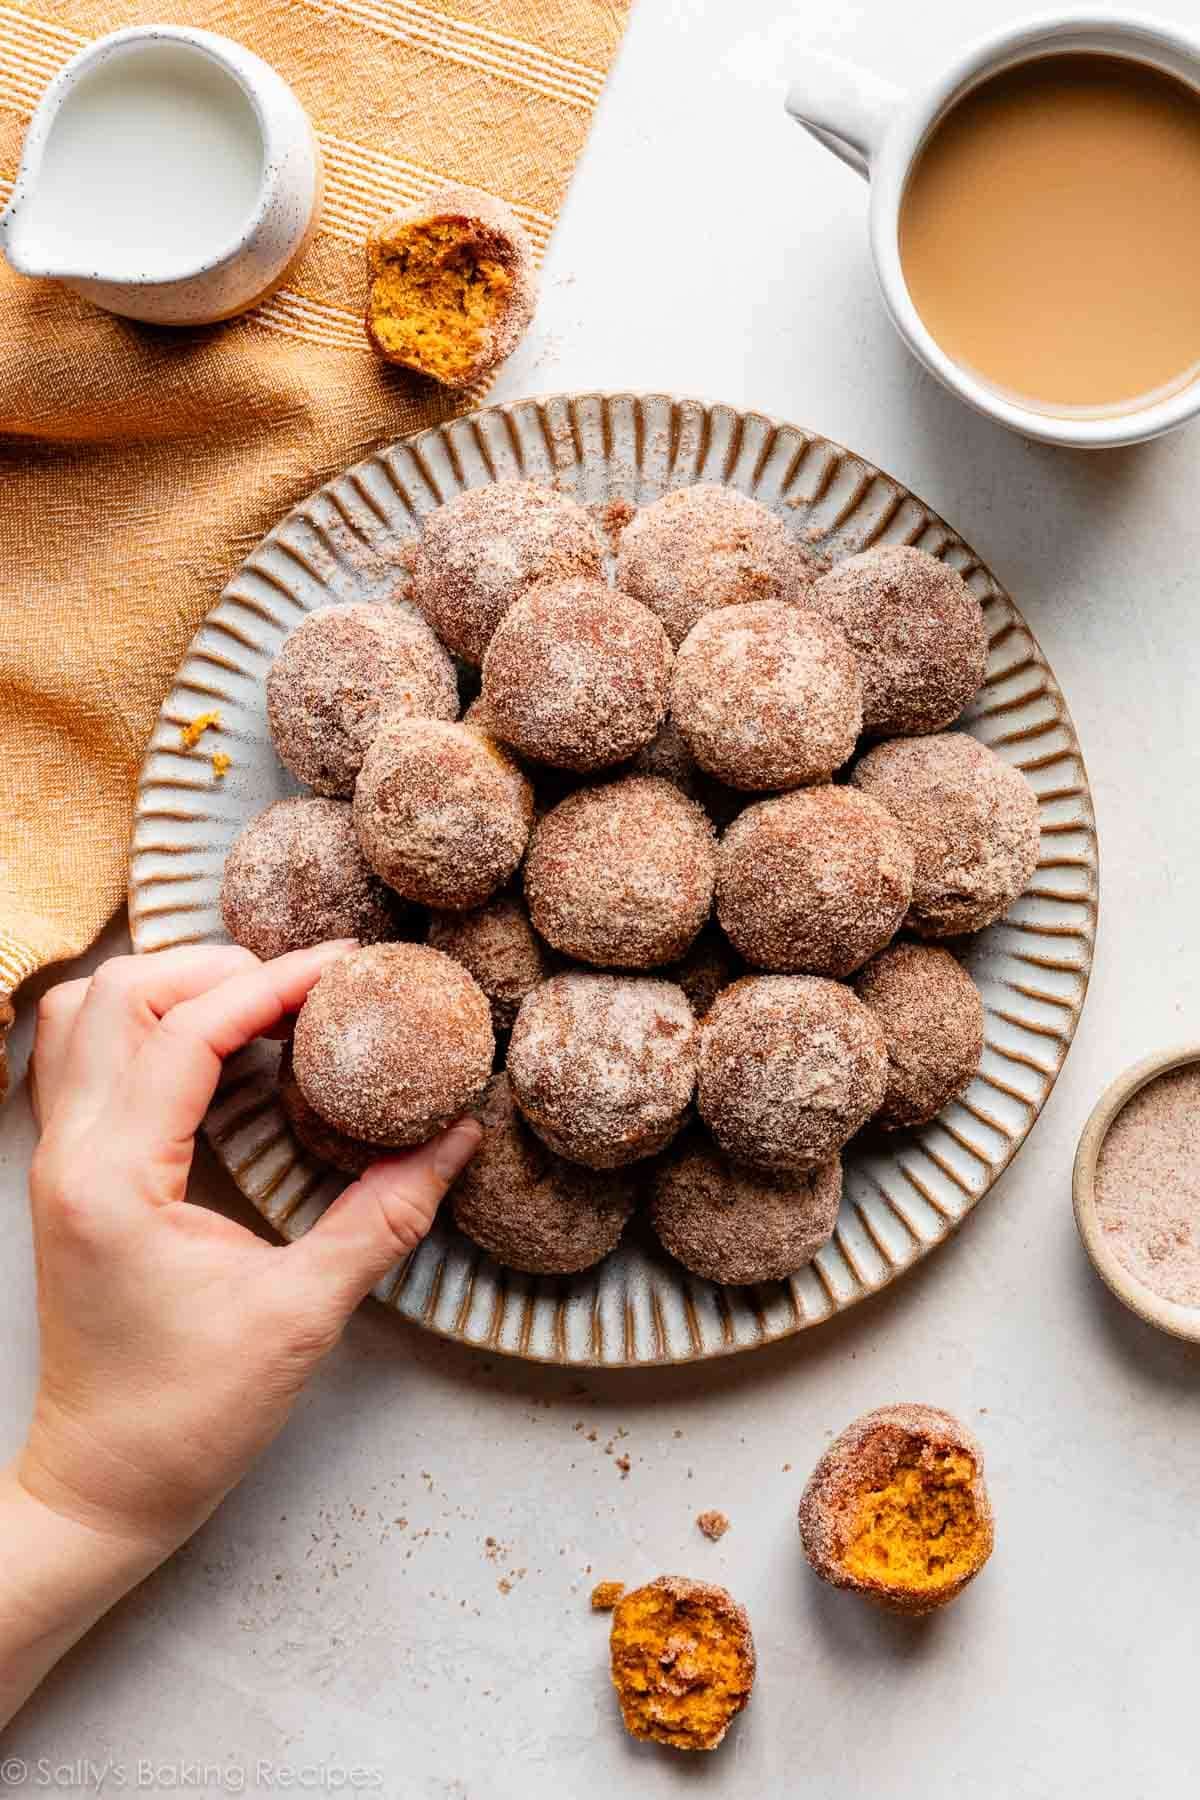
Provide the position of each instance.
(904, 1195)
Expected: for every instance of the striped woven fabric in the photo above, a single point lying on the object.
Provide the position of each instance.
(139, 466)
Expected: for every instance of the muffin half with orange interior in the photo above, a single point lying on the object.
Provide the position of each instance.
(897, 1509)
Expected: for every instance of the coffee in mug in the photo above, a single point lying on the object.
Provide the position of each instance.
(1049, 233)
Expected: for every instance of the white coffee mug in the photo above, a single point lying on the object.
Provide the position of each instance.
(879, 131)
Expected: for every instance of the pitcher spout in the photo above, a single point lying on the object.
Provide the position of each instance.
(20, 249)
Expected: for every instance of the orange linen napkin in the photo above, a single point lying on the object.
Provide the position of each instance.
(138, 466)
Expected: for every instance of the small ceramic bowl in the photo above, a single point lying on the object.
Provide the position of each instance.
(1168, 1315)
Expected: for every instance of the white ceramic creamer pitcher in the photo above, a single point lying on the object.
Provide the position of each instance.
(168, 174)
(880, 131)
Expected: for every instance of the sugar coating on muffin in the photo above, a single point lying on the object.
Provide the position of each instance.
(442, 812)
(296, 876)
(577, 675)
(731, 1224)
(499, 947)
(603, 1066)
(530, 1209)
(482, 551)
(767, 696)
(342, 674)
(683, 1661)
(917, 631)
(702, 547)
(452, 285)
(790, 1067)
(972, 820)
(393, 1043)
(814, 881)
(931, 1014)
(621, 875)
(315, 1134)
(897, 1509)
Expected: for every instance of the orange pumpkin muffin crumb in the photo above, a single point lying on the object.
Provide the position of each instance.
(682, 1662)
(605, 1595)
(191, 733)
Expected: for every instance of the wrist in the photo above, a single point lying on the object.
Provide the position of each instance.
(75, 1474)
(58, 1575)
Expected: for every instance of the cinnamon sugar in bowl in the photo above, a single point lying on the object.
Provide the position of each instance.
(1137, 1189)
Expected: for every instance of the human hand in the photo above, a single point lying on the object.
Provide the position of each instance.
(173, 1340)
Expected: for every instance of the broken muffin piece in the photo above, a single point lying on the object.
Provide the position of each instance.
(452, 286)
(682, 1661)
(605, 1594)
(897, 1509)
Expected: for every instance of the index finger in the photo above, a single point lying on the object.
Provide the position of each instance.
(174, 1075)
(112, 1013)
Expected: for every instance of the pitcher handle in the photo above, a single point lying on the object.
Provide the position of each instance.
(846, 108)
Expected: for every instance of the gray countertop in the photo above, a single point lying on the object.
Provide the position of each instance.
(398, 1594)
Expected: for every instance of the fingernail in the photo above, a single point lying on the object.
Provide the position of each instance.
(456, 1149)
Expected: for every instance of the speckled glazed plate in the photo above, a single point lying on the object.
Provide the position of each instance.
(904, 1195)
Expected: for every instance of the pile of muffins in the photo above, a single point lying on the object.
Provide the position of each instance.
(637, 907)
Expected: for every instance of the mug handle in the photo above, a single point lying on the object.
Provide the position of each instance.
(846, 108)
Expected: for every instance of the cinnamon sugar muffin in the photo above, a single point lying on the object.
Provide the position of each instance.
(790, 1067)
(621, 875)
(767, 696)
(917, 631)
(482, 551)
(341, 674)
(313, 1133)
(577, 675)
(897, 1509)
(529, 1208)
(497, 945)
(683, 1661)
(972, 820)
(603, 1066)
(814, 881)
(296, 876)
(393, 1044)
(729, 1224)
(931, 1013)
(442, 812)
(452, 285)
(701, 547)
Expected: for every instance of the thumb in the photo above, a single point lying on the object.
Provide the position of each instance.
(381, 1218)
